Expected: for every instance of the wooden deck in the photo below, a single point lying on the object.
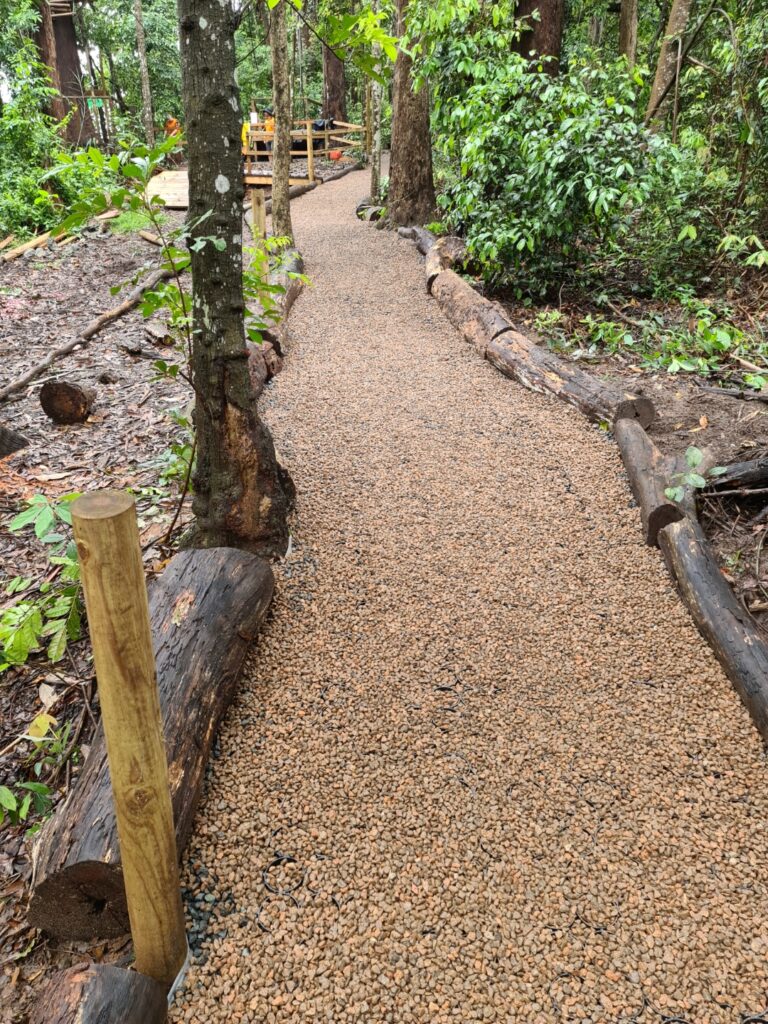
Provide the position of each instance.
(172, 187)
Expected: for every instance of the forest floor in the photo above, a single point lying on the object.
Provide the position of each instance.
(482, 766)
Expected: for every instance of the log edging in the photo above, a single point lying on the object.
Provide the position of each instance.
(731, 632)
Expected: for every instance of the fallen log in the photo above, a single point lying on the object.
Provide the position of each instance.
(8, 240)
(516, 356)
(479, 320)
(421, 237)
(33, 243)
(151, 237)
(647, 472)
(130, 302)
(730, 631)
(66, 402)
(205, 609)
(443, 255)
(11, 441)
(100, 994)
(740, 474)
(540, 370)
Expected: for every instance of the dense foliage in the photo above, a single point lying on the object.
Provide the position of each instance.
(556, 177)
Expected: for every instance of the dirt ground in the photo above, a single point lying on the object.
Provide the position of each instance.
(46, 297)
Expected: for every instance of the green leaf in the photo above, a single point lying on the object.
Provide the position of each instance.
(718, 470)
(7, 799)
(693, 457)
(675, 493)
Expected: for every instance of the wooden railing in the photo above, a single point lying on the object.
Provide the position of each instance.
(343, 137)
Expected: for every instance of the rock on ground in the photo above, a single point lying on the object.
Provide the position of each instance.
(483, 768)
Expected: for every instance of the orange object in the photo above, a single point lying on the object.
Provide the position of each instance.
(335, 154)
(171, 126)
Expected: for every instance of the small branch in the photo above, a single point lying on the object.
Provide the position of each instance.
(133, 299)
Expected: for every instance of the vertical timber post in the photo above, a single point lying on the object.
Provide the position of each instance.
(258, 213)
(107, 537)
(310, 153)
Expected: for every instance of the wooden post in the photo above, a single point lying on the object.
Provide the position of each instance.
(310, 153)
(368, 120)
(258, 213)
(107, 537)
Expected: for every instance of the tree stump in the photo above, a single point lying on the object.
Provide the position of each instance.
(65, 402)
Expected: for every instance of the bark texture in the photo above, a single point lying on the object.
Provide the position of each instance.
(100, 994)
(544, 37)
(628, 31)
(46, 45)
(334, 86)
(239, 499)
(411, 186)
(281, 95)
(730, 631)
(11, 441)
(666, 68)
(66, 402)
(648, 476)
(147, 113)
(205, 609)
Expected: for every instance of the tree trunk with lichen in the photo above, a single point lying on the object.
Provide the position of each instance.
(281, 98)
(411, 187)
(239, 495)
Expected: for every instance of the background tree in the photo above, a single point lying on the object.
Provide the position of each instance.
(334, 86)
(146, 90)
(666, 68)
(239, 499)
(283, 106)
(628, 31)
(544, 34)
(411, 197)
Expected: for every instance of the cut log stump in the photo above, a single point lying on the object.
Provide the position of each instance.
(647, 472)
(100, 994)
(11, 441)
(205, 609)
(730, 631)
(65, 402)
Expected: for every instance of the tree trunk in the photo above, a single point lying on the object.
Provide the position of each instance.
(205, 609)
(411, 186)
(666, 68)
(281, 98)
(146, 91)
(239, 499)
(46, 45)
(115, 84)
(334, 86)
(544, 37)
(375, 134)
(80, 129)
(628, 31)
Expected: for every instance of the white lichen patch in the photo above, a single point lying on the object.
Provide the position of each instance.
(203, 22)
(221, 184)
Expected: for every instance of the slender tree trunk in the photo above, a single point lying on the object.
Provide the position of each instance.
(628, 31)
(544, 38)
(375, 129)
(411, 186)
(666, 69)
(146, 91)
(281, 99)
(239, 498)
(114, 83)
(334, 86)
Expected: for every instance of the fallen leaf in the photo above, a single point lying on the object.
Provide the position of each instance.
(47, 695)
(703, 421)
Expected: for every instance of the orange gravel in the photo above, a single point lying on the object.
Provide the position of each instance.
(482, 767)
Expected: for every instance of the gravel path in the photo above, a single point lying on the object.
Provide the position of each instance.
(483, 768)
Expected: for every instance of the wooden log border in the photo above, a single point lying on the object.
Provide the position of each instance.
(731, 632)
